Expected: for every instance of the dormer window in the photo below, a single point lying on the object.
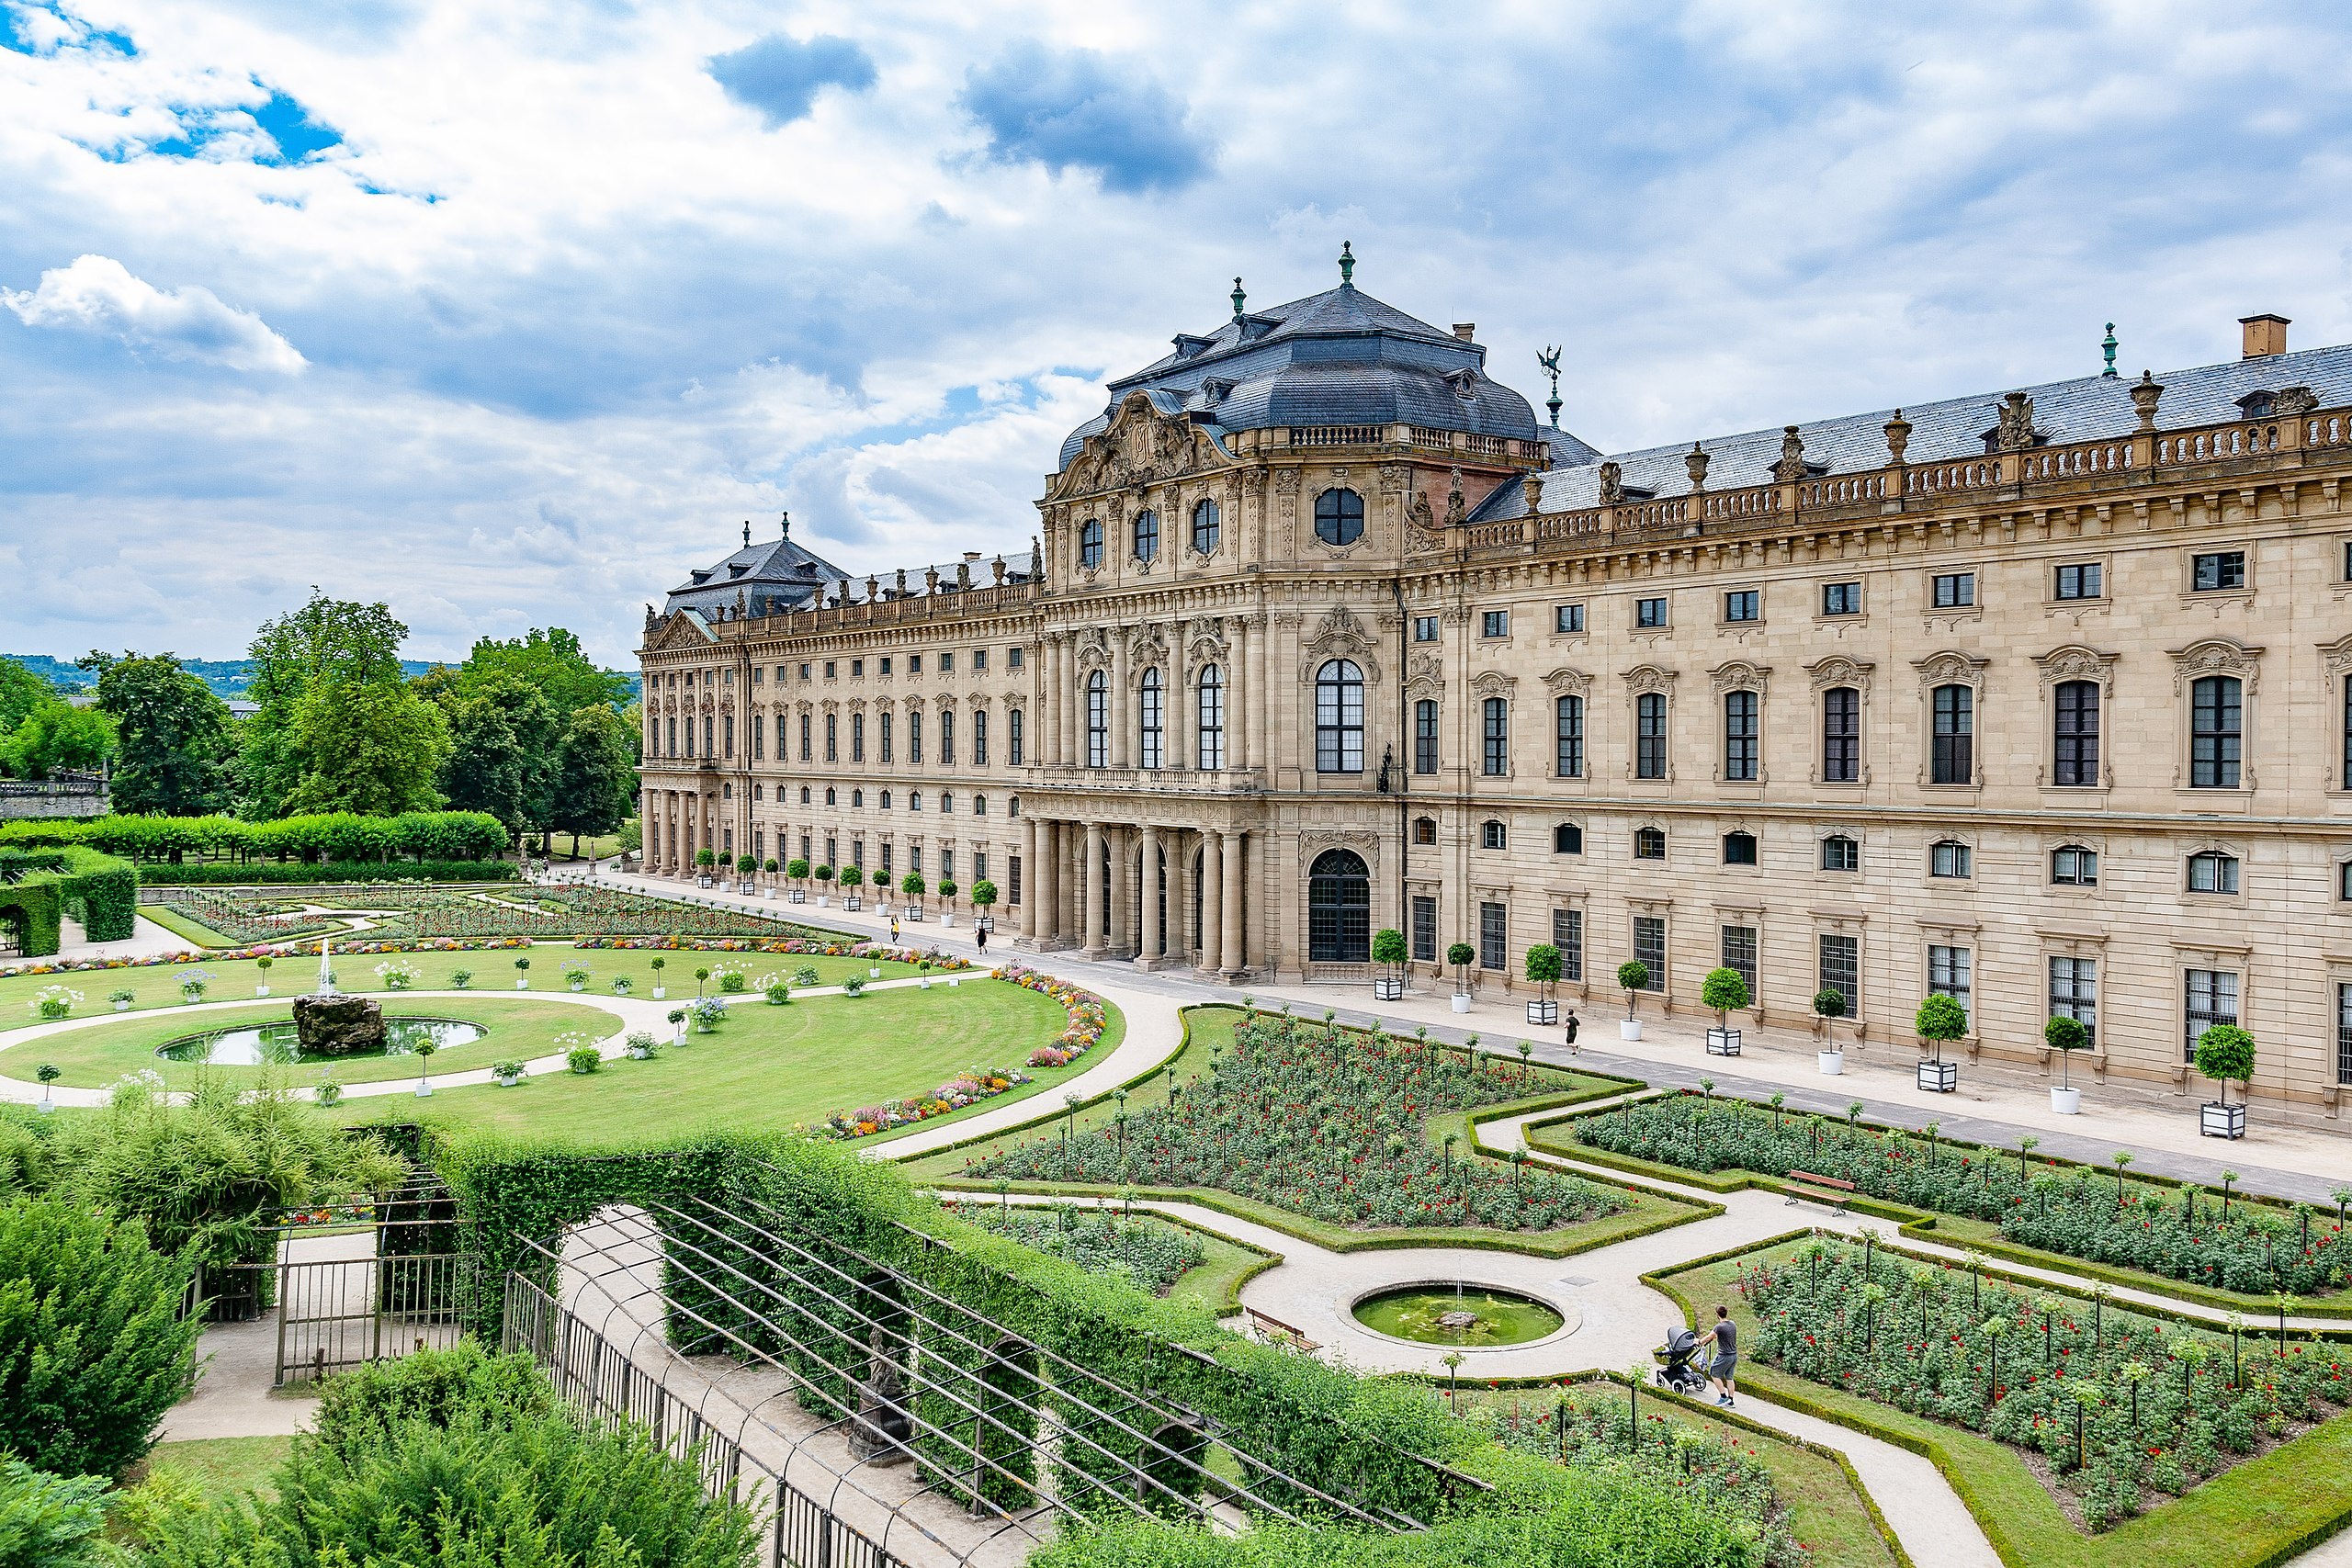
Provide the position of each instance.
(735, 571)
(1187, 345)
(1637, 492)
(1216, 389)
(1465, 383)
(2258, 405)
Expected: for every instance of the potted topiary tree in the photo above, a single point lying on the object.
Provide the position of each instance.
(771, 868)
(261, 964)
(1633, 978)
(1828, 1007)
(1940, 1021)
(947, 898)
(824, 875)
(797, 870)
(1724, 992)
(1544, 969)
(1388, 948)
(983, 899)
(744, 866)
(660, 990)
(2065, 1036)
(912, 885)
(852, 876)
(1460, 956)
(703, 860)
(2225, 1055)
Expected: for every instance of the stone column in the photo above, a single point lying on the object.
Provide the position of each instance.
(1149, 951)
(1234, 959)
(1178, 716)
(1212, 900)
(1091, 921)
(1264, 706)
(1121, 893)
(1073, 700)
(1044, 709)
(1121, 714)
(1033, 864)
(1238, 698)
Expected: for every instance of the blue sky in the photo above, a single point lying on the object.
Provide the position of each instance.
(509, 314)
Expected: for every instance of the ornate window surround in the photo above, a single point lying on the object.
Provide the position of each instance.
(1826, 675)
(1951, 668)
(2067, 663)
(2216, 656)
(1740, 675)
(1640, 681)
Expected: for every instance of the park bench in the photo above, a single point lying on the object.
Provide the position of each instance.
(1276, 1329)
(1831, 1191)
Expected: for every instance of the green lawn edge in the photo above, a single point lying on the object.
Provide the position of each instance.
(2254, 1515)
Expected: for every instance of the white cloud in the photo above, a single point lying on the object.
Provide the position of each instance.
(98, 294)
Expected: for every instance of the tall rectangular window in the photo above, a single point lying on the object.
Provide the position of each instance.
(1567, 737)
(1952, 758)
(2216, 731)
(674, 742)
(1739, 953)
(705, 736)
(889, 737)
(857, 737)
(2348, 732)
(1209, 708)
(947, 738)
(1841, 969)
(833, 846)
(2344, 1033)
(1424, 929)
(2075, 742)
(1012, 879)
(804, 753)
(1649, 736)
(1098, 720)
(832, 737)
(2073, 992)
(2210, 999)
(1494, 932)
(1948, 970)
(1495, 738)
(1739, 736)
(1841, 735)
(1012, 737)
(1151, 726)
(1649, 948)
(1425, 737)
(914, 739)
(979, 738)
(1568, 935)
(727, 731)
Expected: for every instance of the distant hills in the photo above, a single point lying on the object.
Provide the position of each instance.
(227, 677)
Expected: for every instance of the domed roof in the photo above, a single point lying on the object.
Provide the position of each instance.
(1338, 357)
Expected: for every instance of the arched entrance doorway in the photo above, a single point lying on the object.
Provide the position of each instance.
(1338, 909)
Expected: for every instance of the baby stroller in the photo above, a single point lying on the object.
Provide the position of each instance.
(1675, 1372)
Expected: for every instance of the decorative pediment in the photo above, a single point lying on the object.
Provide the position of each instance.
(1425, 676)
(1140, 446)
(1645, 678)
(1491, 684)
(1147, 647)
(1948, 668)
(2073, 661)
(1739, 675)
(1094, 649)
(2337, 657)
(683, 631)
(2216, 656)
(1340, 634)
(1839, 671)
(1564, 681)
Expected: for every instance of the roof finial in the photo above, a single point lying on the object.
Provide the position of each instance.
(2109, 346)
(747, 532)
(786, 531)
(1550, 359)
(1239, 299)
(1347, 264)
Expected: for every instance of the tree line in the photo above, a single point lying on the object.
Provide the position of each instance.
(527, 729)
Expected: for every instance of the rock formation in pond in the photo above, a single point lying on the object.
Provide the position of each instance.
(337, 1026)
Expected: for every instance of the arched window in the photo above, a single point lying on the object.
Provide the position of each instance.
(1209, 713)
(1338, 909)
(1567, 839)
(1740, 738)
(980, 806)
(1567, 737)
(1492, 835)
(1149, 719)
(1949, 857)
(2071, 865)
(2075, 712)
(2210, 871)
(804, 794)
(1425, 832)
(1495, 738)
(1098, 720)
(1649, 843)
(1338, 717)
(1649, 736)
(1012, 737)
(1952, 759)
(857, 799)
(2216, 731)
(1339, 516)
(947, 738)
(1146, 535)
(830, 797)
(1739, 849)
(915, 800)
(1090, 544)
(979, 738)
(1839, 852)
(1841, 735)
(1206, 527)
(886, 800)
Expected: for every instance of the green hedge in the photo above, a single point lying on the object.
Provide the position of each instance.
(328, 836)
(254, 873)
(42, 886)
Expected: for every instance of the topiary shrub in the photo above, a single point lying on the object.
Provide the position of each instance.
(93, 1347)
(2225, 1055)
(1724, 991)
(1633, 978)
(1940, 1021)
(2065, 1036)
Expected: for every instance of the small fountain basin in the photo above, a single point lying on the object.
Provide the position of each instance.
(276, 1045)
(1458, 1312)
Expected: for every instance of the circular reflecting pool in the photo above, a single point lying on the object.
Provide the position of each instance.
(274, 1043)
(1458, 1313)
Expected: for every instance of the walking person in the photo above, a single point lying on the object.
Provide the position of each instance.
(894, 931)
(981, 937)
(1572, 1027)
(1725, 1334)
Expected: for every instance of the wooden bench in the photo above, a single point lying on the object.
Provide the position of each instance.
(1276, 1330)
(1828, 1190)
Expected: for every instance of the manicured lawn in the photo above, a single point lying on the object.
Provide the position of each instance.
(97, 1055)
(220, 1466)
(2252, 1515)
(158, 984)
(1214, 1285)
(770, 1068)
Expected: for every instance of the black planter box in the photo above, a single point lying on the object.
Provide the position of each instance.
(1723, 1042)
(1387, 988)
(2217, 1120)
(1940, 1078)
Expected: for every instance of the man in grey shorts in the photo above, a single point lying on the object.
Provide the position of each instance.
(1725, 1334)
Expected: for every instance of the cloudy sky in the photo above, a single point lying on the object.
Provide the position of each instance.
(510, 313)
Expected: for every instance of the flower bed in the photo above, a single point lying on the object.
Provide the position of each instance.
(1083, 1033)
(239, 920)
(1591, 1429)
(274, 949)
(426, 911)
(2114, 1404)
(1152, 1253)
(2073, 1210)
(1327, 1124)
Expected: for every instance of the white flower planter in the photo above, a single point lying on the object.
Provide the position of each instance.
(1723, 1042)
(261, 990)
(661, 991)
(1940, 1078)
(2066, 1101)
(125, 1007)
(578, 985)
(507, 1080)
(824, 900)
(1832, 1062)
(43, 1104)
(637, 1053)
(946, 920)
(2215, 1120)
(1544, 1015)
(923, 982)
(1387, 988)
(1629, 1029)
(423, 1090)
(796, 897)
(1461, 1000)
(523, 984)
(874, 973)
(771, 892)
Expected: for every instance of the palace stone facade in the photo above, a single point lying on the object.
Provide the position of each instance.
(2041, 697)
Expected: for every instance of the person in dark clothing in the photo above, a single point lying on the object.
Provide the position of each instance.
(981, 937)
(1726, 1335)
(1572, 1027)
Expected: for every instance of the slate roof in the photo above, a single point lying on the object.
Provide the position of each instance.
(2085, 409)
(772, 575)
(1337, 357)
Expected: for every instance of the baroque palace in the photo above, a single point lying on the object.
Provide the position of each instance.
(2041, 698)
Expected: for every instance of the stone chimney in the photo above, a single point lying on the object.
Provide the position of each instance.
(1467, 331)
(2264, 335)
